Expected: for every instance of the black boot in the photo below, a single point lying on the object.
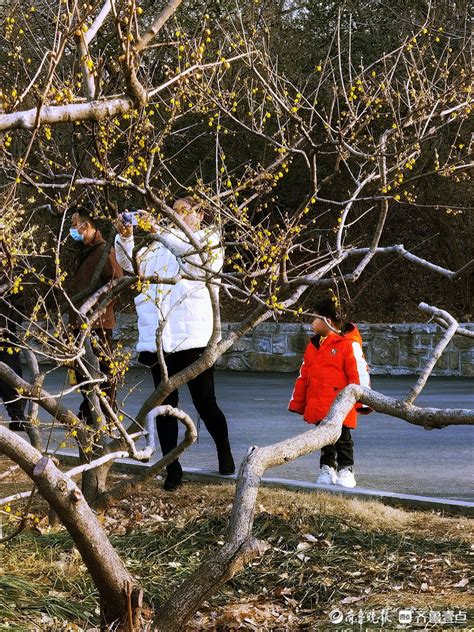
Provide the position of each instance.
(17, 426)
(226, 460)
(174, 477)
(17, 423)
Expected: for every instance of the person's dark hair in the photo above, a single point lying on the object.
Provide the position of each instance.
(85, 214)
(328, 308)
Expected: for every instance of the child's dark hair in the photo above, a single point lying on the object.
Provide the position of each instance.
(328, 308)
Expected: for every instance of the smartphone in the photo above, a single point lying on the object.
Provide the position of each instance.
(130, 218)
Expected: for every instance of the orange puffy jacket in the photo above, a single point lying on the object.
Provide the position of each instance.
(327, 368)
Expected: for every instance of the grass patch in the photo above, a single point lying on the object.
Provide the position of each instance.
(325, 552)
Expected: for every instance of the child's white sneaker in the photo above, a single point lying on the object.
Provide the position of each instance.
(345, 477)
(327, 476)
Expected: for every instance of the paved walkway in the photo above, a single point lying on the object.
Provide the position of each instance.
(391, 455)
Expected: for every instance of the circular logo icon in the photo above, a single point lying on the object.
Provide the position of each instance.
(336, 616)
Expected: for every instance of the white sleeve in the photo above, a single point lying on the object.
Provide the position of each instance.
(180, 247)
(175, 244)
(360, 365)
(123, 251)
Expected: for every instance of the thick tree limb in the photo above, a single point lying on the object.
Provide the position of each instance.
(437, 351)
(126, 487)
(97, 23)
(104, 564)
(53, 114)
(398, 249)
(157, 25)
(38, 394)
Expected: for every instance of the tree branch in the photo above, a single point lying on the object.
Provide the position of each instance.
(157, 25)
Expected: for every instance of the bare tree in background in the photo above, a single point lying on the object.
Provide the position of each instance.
(115, 105)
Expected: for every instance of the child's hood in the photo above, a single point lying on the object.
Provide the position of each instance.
(349, 332)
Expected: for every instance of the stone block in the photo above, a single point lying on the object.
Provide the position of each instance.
(408, 359)
(385, 350)
(467, 362)
(426, 341)
(462, 342)
(401, 328)
(243, 344)
(417, 341)
(279, 344)
(272, 363)
(406, 344)
(378, 327)
(267, 328)
(442, 366)
(455, 361)
(234, 363)
(298, 342)
(262, 344)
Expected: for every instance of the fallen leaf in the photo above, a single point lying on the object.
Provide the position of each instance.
(157, 518)
(462, 583)
(303, 546)
(302, 557)
(280, 590)
(347, 600)
(310, 538)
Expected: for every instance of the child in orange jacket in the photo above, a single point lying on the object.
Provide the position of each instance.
(331, 362)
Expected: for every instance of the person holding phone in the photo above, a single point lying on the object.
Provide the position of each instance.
(185, 311)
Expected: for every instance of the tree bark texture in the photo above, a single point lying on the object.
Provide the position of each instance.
(120, 596)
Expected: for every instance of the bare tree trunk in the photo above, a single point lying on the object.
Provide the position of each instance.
(94, 482)
(37, 380)
(215, 571)
(121, 599)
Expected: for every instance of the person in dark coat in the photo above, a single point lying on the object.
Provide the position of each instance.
(90, 249)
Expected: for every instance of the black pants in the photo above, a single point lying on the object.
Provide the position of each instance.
(15, 409)
(203, 396)
(341, 453)
(104, 340)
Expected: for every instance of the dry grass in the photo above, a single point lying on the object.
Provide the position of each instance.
(325, 552)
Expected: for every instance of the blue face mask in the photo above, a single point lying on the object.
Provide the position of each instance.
(76, 235)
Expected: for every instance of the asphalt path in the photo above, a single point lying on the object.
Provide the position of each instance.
(390, 454)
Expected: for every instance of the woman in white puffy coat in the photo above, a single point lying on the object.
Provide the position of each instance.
(186, 308)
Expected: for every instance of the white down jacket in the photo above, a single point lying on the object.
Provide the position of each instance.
(185, 305)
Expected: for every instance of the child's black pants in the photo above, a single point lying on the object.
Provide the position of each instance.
(340, 454)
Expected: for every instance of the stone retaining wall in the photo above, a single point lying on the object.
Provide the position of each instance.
(396, 349)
